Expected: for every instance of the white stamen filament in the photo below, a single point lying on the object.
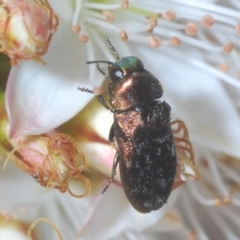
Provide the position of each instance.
(217, 218)
(99, 6)
(193, 218)
(76, 12)
(216, 175)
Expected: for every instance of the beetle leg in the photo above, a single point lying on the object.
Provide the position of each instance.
(85, 90)
(103, 102)
(114, 167)
(185, 154)
(102, 70)
(111, 134)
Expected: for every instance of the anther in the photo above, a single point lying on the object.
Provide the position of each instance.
(153, 22)
(169, 15)
(222, 201)
(83, 39)
(228, 47)
(125, 4)
(8, 218)
(76, 28)
(191, 29)
(98, 91)
(224, 67)
(208, 21)
(123, 35)
(192, 235)
(109, 16)
(154, 42)
(174, 41)
(238, 28)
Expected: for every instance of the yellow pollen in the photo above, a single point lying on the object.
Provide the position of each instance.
(154, 41)
(123, 35)
(8, 218)
(83, 39)
(125, 4)
(153, 22)
(228, 47)
(238, 28)
(98, 91)
(191, 29)
(169, 15)
(76, 29)
(207, 21)
(174, 41)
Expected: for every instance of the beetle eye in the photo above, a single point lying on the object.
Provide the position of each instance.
(115, 73)
(119, 74)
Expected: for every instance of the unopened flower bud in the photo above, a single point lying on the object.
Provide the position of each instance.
(26, 28)
(52, 159)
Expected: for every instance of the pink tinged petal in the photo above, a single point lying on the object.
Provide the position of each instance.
(40, 98)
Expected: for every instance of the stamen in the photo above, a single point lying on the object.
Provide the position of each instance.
(192, 235)
(238, 74)
(76, 12)
(193, 218)
(123, 35)
(154, 42)
(222, 201)
(174, 41)
(76, 28)
(125, 4)
(8, 218)
(238, 28)
(228, 47)
(98, 91)
(109, 16)
(224, 67)
(169, 15)
(153, 22)
(83, 39)
(145, 13)
(29, 231)
(207, 21)
(191, 29)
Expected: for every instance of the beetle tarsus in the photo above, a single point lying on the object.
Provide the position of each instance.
(85, 90)
(114, 167)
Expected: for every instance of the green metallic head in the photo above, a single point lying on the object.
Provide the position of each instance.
(124, 67)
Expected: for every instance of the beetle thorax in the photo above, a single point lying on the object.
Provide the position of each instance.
(140, 88)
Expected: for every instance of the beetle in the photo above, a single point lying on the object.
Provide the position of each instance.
(141, 131)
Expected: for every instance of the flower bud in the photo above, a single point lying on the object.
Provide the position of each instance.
(26, 28)
(52, 159)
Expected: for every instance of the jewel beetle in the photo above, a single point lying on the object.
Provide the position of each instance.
(141, 132)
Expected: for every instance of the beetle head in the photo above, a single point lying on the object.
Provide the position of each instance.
(124, 68)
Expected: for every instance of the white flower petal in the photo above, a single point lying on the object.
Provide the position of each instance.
(199, 99)
(113, 216)
(40, 98)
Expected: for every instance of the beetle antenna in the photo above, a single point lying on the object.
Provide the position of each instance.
(98, 61)
(112, 48)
